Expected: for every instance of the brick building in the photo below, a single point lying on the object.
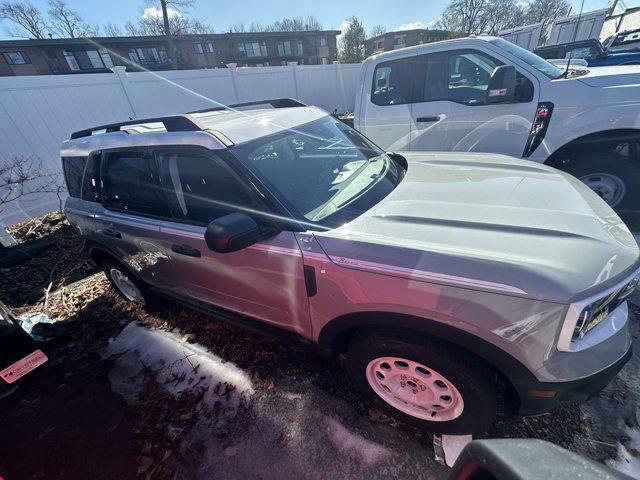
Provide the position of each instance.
(404, 38)
(89, 55)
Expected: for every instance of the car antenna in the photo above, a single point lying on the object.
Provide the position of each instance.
(575, 34)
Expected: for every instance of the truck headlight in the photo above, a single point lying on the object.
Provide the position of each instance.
(587, 314)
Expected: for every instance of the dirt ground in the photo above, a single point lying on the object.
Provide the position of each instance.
(176, 394)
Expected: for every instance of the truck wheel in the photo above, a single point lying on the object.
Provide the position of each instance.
(613, 178)
(126, 284)
(428, 385)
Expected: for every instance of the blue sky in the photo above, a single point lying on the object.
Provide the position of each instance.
(221, 14)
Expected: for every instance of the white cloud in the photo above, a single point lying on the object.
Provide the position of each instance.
(153, 13)
(411, 26)
(522, 5)
(343, 27)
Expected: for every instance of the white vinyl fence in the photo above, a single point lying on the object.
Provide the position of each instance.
(37, 113)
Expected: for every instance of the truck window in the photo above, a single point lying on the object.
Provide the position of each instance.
(392, 82)
(462, 76)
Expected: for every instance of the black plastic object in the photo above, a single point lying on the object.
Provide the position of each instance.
(502, 85)
(234, 232)
(275, 103)
(526, 459)
(538, 128)
(174, 123)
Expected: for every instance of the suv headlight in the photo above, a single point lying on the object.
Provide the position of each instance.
(587, 314)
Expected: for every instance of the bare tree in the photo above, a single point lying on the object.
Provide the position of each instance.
(112, 30)
(546, 12)
(26, 17)
(482, 16)
(23, 175)
(64, 21)
(295, 24)
(377, 30)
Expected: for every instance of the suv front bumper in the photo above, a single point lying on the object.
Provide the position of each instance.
(540, 397)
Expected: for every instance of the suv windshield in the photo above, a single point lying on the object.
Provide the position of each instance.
(325, 172)
(539, 63)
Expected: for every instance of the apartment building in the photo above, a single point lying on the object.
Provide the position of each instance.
(90, 55)
(404, 38)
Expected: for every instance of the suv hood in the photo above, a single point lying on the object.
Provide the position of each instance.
(489, 222)
(612, 76)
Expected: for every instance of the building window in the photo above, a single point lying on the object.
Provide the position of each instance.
(285, 49)
(378, 45)
(324, 61)
(148, 55)
(198, 48)
(300, 47)
(253, 49)
(399, 41)
(88, 59)
(323, 41)
(210, 48)
(16, 58)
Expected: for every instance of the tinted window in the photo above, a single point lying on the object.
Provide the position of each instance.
(73, 168)
(90, 181)
(200, 188)
(392, 82)
(130, 183)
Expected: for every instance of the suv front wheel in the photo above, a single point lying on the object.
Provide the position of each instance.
(424, 383)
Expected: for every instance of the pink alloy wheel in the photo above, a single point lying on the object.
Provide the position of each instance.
(414, 389)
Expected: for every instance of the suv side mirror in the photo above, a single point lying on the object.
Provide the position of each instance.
(234, 232)
(502, 85)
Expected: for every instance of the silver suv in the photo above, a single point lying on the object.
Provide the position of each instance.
(453, 283)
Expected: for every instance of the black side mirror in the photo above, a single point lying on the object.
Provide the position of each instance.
(502, 85)
(234, 232)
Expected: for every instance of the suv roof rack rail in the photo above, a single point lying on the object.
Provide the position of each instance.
(275, 103)
(173, 123)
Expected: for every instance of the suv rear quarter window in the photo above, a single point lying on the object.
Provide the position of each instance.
(73, 168)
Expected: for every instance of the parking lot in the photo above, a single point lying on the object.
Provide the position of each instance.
(176, 394)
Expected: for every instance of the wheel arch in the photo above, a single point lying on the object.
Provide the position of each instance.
(592, 140)
(335, 336)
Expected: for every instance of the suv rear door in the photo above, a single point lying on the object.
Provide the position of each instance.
(128, 221)
(450, 112)
(264, 281)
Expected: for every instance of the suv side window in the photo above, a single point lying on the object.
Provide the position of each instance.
(73, 168)
(91, 179)
(130, 183)
(393, 82)
(200, 187)
(462, 76)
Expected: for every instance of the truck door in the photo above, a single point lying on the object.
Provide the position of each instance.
(450, 112)
(386, 111)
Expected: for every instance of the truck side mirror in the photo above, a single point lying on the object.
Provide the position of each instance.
(502, 85)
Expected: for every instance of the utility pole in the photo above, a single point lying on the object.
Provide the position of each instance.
(173, 54)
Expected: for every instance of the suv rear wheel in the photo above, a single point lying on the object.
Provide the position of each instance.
(424, 383)
(125, 283)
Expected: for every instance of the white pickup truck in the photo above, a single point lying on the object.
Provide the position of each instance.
(485, 94)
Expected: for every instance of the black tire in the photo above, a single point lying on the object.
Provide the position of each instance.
(474, 380)
(147, 298)
(587, 166)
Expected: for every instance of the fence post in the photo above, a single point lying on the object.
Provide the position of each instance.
(232, 67)
(120, 71)
(294, 71)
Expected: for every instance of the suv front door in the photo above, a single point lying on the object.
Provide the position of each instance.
(450, 112)
(264, 281)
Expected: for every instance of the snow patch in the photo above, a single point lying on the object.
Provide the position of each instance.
(628, 460)
(178, 366)
(355, 446)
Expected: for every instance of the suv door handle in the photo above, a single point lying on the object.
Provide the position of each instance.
(428, 119)
(111, 232)
(185, 250)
